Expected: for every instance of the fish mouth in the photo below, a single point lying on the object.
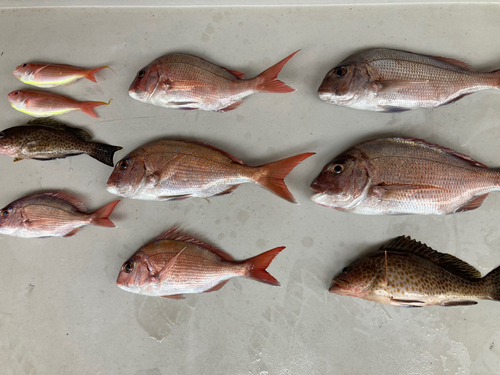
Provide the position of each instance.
(135, 94)
(338, 286)
(325, 95)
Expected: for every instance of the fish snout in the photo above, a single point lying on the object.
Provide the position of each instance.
(324, 94)
(318, 187)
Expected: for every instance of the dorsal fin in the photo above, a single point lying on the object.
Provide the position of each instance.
(457, 154)
(448, 262)
(76, 203)
(218, 150)
(457, 63)
(54, 124)
(174, 234)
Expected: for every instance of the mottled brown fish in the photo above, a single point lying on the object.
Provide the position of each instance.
(50, 215)
(185, 81)
(177, 264)
(173, 169)
(390, 80)
(399, 175)
(47, 139)
(407, 273)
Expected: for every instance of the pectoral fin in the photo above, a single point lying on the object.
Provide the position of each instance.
(397, 191)
(168, 267)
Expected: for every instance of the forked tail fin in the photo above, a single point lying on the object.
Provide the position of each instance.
(100, 217)
(256, 266)
(88, 107)
(104, 153)
(492, 282)
(267, 81)
(273, 174)
(89, 74)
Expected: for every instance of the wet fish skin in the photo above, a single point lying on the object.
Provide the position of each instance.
(405, 272)
(391, 80)
(53, 75)
(176, 264)
(184, 81)
(401, 175)
(48, 139)
(45, 104)
(175, 169)
(50, 215)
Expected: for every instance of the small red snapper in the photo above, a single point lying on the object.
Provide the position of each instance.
(50, 215)
(407, 273)
(177, 264)
(52, 75)
(389, 80)
(45, 104)
(172, 169)
(185, 81)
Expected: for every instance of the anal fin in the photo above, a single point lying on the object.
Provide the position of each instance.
(231, 107)
(474, 203)
(175, 197)
(217, 287)
(175, 296)
(459, 303)
(72, 233)
(228, 191)
(393, 109)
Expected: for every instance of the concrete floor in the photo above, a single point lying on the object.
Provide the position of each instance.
(61, 311)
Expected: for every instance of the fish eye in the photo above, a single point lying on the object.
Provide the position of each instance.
(25, 65)
(2, 134)
(16, 92)
(6, 211)
(128, 266)
(141, 73)
(346, 269)
(338, 168)
(124, 164)
(340, 71)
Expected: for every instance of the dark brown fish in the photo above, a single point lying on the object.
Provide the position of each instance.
(403, 176)
(176, 264)
(47, 139)
(407, 273)
(389, 80)
(50, 215)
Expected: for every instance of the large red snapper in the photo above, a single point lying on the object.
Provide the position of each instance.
(403, 176)
(407, 273)
(389, 80)
(50, 215)
(177, 264)
(185, 81)
(173, 169)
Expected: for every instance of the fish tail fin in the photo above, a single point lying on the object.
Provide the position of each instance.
(104, 153)
(256, 266)
(492, 281)
(100, 217)
(272, 175)
(88, 107)
(89, 74)
(267, 81)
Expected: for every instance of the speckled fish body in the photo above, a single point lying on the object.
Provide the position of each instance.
(407, 273)
(403, 176)
(185, 81)
(47, 139)
(177, 264)
(50, 215)
(45, 104)
(174, 169)
(393, 81)
(52, 75)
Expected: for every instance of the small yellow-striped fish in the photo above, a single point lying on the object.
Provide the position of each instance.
(45, 104)
(52, 75)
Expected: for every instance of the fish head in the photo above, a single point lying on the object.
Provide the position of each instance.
(8, 143)
(360, 277)
(17, 98)
(24, 70)
(128, 176)
(134, 273)
(145, 83)
(11, 218)
(342, 182)
(345, 83)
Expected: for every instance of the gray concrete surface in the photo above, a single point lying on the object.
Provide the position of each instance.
(61, 312)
